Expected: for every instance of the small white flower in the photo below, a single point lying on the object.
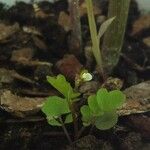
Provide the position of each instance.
(86, 76)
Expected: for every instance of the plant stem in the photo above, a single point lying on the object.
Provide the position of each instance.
(94, 37)
(80, 132)
(114, 36)
(75, 121)
(65, 130)
(91, 129)
(76, 35)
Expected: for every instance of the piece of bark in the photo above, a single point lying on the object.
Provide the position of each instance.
(31, 30)
(39, 43)
(142, 23)
(64, 21)
(6, 76)
(20, 106)
(137, 99)
(22, 78)
(7, 31)
(25, 54)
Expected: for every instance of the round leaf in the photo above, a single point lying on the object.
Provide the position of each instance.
(117, 97)
(55, 106)
(102, 99)
(86, 115)
(93, 105)
(106, 121)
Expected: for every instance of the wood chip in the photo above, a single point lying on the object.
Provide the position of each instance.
(20, 106)
(138, 99)
(142, 23)
(7, 31)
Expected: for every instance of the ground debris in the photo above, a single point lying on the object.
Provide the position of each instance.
(138, 99)
(142, 23)
(69, 66)
(140, 123)
(20, 106)
(7, 31)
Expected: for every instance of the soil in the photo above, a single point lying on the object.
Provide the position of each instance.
(34, 44)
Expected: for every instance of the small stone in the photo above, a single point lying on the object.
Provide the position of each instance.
(69, 66)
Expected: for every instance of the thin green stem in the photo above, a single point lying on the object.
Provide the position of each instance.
(94, 37)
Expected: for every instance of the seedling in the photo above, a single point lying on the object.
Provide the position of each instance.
(101, 110)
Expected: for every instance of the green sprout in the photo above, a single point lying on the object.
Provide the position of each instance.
(96, 36)
(56, 107)
(100, 112)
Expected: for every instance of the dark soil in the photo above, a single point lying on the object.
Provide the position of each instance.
(50, 46)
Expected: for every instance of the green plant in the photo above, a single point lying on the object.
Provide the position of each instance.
(55, 107)
(96, 36)
(114, 37)
(100, 111)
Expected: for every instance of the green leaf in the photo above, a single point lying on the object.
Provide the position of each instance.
(102, 99)
(68, 118)
(86, 115)
(107, 121)
(104, 27)
(53, 122)
(62, 86)
(109, 101)
(117, 97)
(93, 105)
(55, 106)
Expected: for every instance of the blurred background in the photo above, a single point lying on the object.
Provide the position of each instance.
(143, 4)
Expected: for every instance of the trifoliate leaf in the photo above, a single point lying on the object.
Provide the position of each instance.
(106, 121)
(68, 118)
(86, 115)
(93, 105)
(55, 106)
(62, 86)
